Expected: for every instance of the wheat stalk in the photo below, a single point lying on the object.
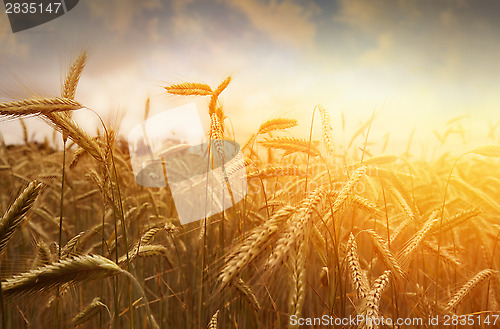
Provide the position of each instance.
(216, 128)
(399, 229)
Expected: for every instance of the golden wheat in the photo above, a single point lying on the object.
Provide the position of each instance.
(276, 124)
(14, 216)
(292, 145)
(69, 270)
(468, 287)
(38, 106)
(189, 89)
(358, 279)
(73, 76)
(95, 307)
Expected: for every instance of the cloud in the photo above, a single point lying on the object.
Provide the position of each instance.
(283, 21)
(9, 42)
(120, 14)
(372, 14)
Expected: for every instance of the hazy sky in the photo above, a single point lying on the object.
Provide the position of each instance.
(419, 63)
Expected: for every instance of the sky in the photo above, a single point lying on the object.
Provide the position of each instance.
(417, 63)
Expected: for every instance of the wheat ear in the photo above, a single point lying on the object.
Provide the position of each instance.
(441, 252)
(16, 212)
(79, 153)
(468, 288)
(246, 291)
(73, 76)
(38, 106)
(347, 189)
(402, 203)
(89, 312)
(69, 270)
(456, 220)
(296, 231)
(367, 205)
(358, 280)
(386, 255)
(298, 282)
(70, 246)
(147, 250)
(277, 171)
(487, 150)
(253, 245)
(212, 105)
(370, 306)
(292, 145)
(276, 124)
(70, 128)
(412, 245)
(44, 254)
(216, 128)
(189, 89)
(326, 126)
(146, 237)
(213, 321)
(459, 183)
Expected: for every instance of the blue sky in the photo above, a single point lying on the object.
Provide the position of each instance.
(419, 62)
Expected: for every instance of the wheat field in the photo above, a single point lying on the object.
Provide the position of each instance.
(326, 232)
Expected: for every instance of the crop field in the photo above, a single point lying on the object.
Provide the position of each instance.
(329, 235)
